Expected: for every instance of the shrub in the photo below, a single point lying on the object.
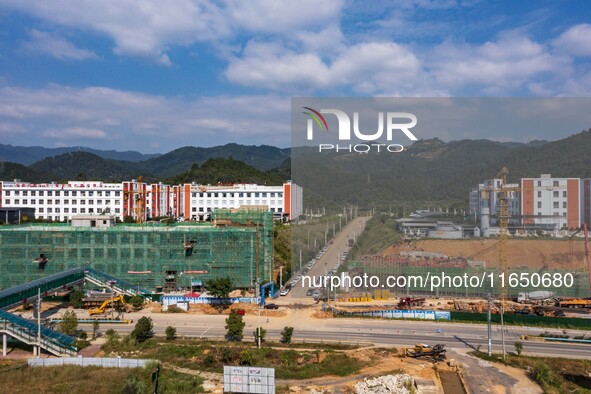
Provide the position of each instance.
(246, 358)
(137, 302)
(76, 299)
(518, 348)
(261, 332)
(543, 375)
(286, 334)
(69, 323)
(170, 333)
(174, 309)
(235, 327)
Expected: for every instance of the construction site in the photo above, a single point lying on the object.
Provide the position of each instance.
(154, 256)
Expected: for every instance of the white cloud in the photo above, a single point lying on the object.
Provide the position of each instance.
(55, 46)
(575, 41)
(140, 121)
(367, 67)
(75, 133)
(496, 67)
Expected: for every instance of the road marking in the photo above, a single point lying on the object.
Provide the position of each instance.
(203, 333)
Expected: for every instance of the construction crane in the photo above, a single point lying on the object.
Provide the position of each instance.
(587, 265)
(138, 197)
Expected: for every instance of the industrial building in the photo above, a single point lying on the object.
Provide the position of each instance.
(142, 201)
(155, 256)
(545, 203)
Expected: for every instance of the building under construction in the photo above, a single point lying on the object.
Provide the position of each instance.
(156, 256)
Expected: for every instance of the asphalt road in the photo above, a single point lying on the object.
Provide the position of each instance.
(378, 332)
(331, 256)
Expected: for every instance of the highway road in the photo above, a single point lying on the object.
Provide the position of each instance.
(331, 256)
(379, 332)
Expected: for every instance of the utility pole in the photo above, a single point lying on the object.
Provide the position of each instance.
(489, 328)
(38, 322)
(281, 276)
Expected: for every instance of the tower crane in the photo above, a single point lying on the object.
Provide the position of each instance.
(138, 197)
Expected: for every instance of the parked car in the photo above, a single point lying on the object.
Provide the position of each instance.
(310, 291)
(271, 306)
(284, 292)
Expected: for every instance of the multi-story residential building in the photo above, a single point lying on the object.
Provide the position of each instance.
(60, 202)
(544, 203)
(551, 201)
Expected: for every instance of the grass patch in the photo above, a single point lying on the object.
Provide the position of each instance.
(554, 375)
(211, 356)
(74, 379)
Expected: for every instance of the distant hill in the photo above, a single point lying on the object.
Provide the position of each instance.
(220, 170)
(263, 157)
(10, 171)
(28, 155)
(86, 166)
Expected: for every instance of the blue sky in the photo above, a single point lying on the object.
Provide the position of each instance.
(156, 75)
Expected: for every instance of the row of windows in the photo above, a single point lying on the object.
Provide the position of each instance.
(58, 202)
(201, 209)
(554, 184)
(257, 194)
(555, 204)
(73, 210)
(555, 194)
(240, 202)
(57, 193)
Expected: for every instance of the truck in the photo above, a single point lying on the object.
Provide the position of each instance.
(407, 302)
(536, 297)
(576, 303)
(421, 351)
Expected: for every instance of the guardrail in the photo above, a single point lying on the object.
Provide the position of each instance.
(90, 361)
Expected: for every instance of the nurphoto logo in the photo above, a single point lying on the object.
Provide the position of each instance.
(395, 121)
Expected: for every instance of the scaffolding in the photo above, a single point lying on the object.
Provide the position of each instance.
(153, 256)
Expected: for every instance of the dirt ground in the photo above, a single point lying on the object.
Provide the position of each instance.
(531, 253)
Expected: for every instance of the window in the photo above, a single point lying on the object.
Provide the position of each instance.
(82, 210)
(49, 202)
(193, 194)
(17, 201)
(564, 205)
(49, 193)
(107, 202)
(40, 210)
(66, 193)
(90, 202)
(74, 193)
(90, 210)
(7, 201)
(25, 201)
(107, 194)
(66, 201)
(57, 193)
(555, 194)
(16, 192)
(539, 194)
(33, 192)
(49, 210)
(90, 193)
(564, 194)
(7, 193)
(539, 204)
(555, 205)
(57, 210)
(41, 192)
(540, 183)
(82, 202)
(99, 193)
(555, 183)
(25, 193)
(41, 201)
(33, 201)
(66, 210)
(99, 202)
(117, 194)
(117, 210)
(74, 210)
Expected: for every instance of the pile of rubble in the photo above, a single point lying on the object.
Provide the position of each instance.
(388, 384)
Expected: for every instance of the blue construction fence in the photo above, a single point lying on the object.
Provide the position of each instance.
(167, 300)
(400, 314)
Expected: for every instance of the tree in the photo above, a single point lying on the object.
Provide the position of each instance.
(143, 329)
(170, 333)
(220, 287)
(286, 334)
(260, 332)
(518, 348)
(137, 302)
(129, 219)
(69, 323)
(95, 328)
(235, 327)
(76, 299)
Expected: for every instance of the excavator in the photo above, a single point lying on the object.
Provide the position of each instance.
(101, 309)
(421, 351)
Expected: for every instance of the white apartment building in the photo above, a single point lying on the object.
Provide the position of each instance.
(487, 196)
(60, 202)
(196, 202)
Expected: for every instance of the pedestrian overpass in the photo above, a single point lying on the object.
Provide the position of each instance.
(50, 340)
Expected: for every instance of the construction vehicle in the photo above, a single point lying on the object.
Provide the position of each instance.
(101, 309)
(408, 302)
(537, 297)
(421, 351)
(576, 303)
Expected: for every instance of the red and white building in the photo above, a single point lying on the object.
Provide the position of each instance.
(55, 201)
